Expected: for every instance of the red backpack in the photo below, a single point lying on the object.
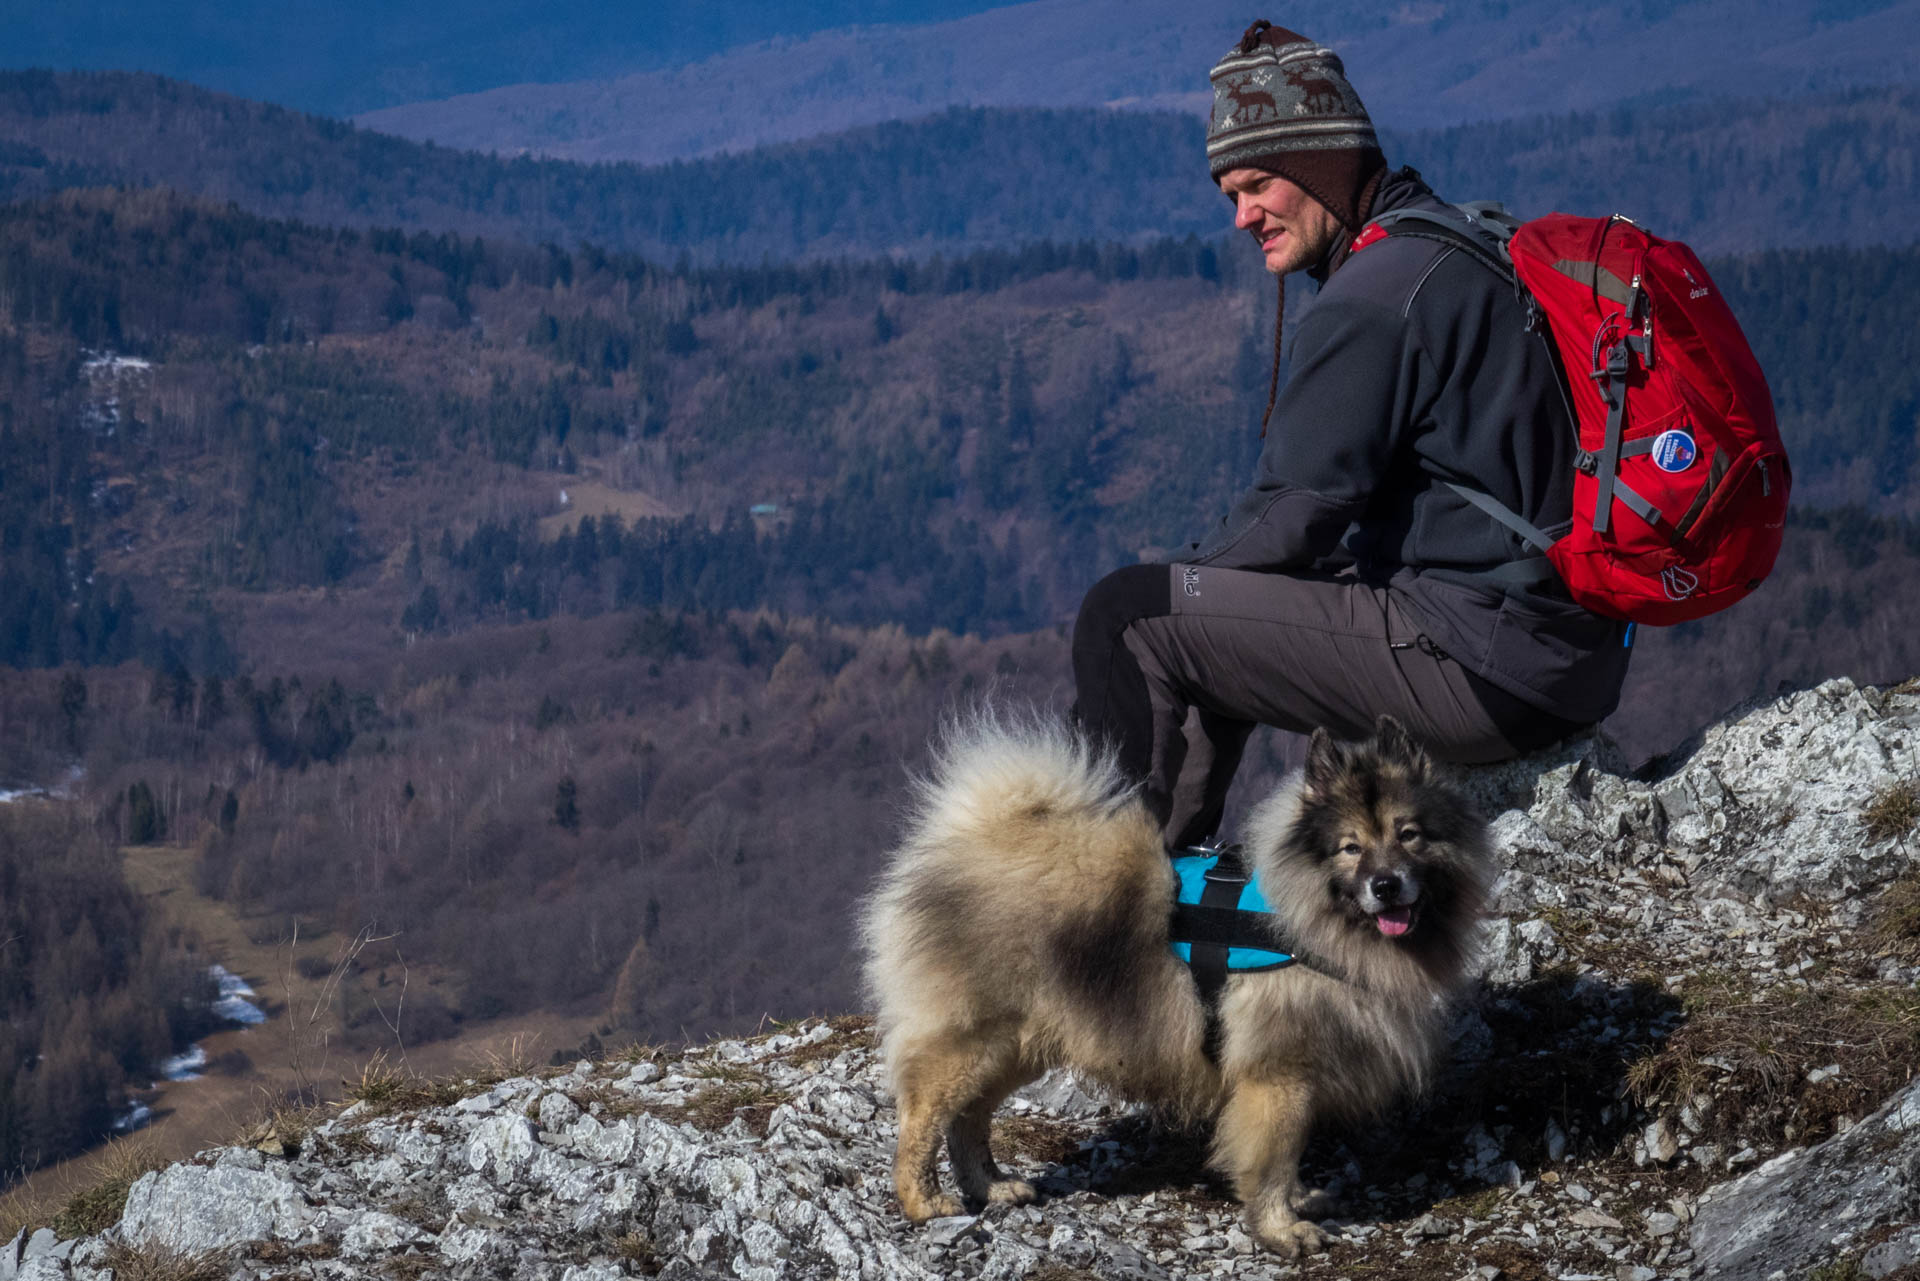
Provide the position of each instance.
(1681, 495)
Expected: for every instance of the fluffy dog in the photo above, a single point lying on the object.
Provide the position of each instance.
(1022, 925)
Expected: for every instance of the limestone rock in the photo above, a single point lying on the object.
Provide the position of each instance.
(1805, 1207)
(192, 1208)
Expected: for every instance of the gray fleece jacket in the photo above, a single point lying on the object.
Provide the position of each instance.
(1413, 368)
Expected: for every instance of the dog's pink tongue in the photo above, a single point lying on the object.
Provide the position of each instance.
(1395, 920)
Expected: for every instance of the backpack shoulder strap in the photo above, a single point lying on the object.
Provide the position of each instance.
(1482, 228)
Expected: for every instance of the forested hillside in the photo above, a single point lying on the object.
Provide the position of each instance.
(95, 987)
(572, 615)
(1729, 177)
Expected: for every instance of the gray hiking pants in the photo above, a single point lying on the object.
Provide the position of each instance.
(1174, 665)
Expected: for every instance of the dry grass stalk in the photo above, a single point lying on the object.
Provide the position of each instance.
(385, 1088)
(130, 1262)
(310, 1017)
(1892, 812)
(20, 1210)
(1896, 918)
(97, 1207)
(82, 1211)
(1753, 1056)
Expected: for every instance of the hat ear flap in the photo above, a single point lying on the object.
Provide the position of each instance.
(1394, 743)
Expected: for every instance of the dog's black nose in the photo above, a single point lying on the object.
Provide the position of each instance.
(1385, 887)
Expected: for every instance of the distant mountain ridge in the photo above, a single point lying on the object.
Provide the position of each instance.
(1729, 176)
(356, 55)
(1423, 64)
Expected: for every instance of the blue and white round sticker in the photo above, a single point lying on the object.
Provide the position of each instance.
(1674, 450)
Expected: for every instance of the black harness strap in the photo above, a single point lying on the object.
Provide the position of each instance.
(1216, 925)
(1219, 904)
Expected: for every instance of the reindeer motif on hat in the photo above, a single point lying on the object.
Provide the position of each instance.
(1248, 98)
(1317, 93)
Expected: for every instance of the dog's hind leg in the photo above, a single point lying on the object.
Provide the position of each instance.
(970, 1145)
(938, 1080)
(1258, 1140)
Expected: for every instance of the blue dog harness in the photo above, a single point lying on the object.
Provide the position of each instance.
(1222, 924)
(1217, 883)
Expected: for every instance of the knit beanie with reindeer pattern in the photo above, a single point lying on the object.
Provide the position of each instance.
(1282, 103)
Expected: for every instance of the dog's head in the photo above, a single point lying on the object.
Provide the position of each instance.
(1400, 852)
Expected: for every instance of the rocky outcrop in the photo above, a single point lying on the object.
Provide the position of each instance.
(1689, 1058)
(1803, 1206)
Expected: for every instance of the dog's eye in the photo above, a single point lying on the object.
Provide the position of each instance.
(1351, 849)
(1410, 834)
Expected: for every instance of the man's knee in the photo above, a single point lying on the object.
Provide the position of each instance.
(1118, 601)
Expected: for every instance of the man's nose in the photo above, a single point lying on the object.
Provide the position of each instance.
(1245, 213)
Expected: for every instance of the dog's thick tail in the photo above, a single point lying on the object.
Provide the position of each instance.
(993, 767)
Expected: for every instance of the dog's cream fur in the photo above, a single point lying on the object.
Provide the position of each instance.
(1022, 925)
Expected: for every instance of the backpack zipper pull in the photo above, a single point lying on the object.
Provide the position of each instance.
(1766, 485)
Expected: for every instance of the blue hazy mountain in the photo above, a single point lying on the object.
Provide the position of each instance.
(1418, 63)
(345, 56)
(1729, 176)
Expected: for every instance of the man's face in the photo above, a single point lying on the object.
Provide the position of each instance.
(1294, 231)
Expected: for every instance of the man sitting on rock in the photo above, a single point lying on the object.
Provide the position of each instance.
(1350, 580)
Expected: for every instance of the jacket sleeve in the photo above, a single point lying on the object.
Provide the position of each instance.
(1353, 392)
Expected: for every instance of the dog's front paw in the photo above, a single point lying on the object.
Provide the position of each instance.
(1292, 1241)
(937, 1205)
(1011, 1192)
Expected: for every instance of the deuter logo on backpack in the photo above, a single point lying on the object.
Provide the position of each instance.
(1680, 497)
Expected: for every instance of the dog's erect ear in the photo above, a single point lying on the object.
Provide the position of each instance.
(1325, 762)
(1395, 744)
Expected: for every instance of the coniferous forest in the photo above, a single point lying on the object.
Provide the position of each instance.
(567, 618)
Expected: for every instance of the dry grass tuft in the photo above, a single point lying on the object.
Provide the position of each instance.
(19, 1210)
(516, 1060)
(278, 1252)
(752, 1099)
(1845, 1268)
(1762, 1051)
(385, 1089)
(409, 1266)
(638, 1250)
(161, 1263)
(1896, 918)
(1892, 812)
(281, 1127)
(96, 1208)
(850, 1032)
